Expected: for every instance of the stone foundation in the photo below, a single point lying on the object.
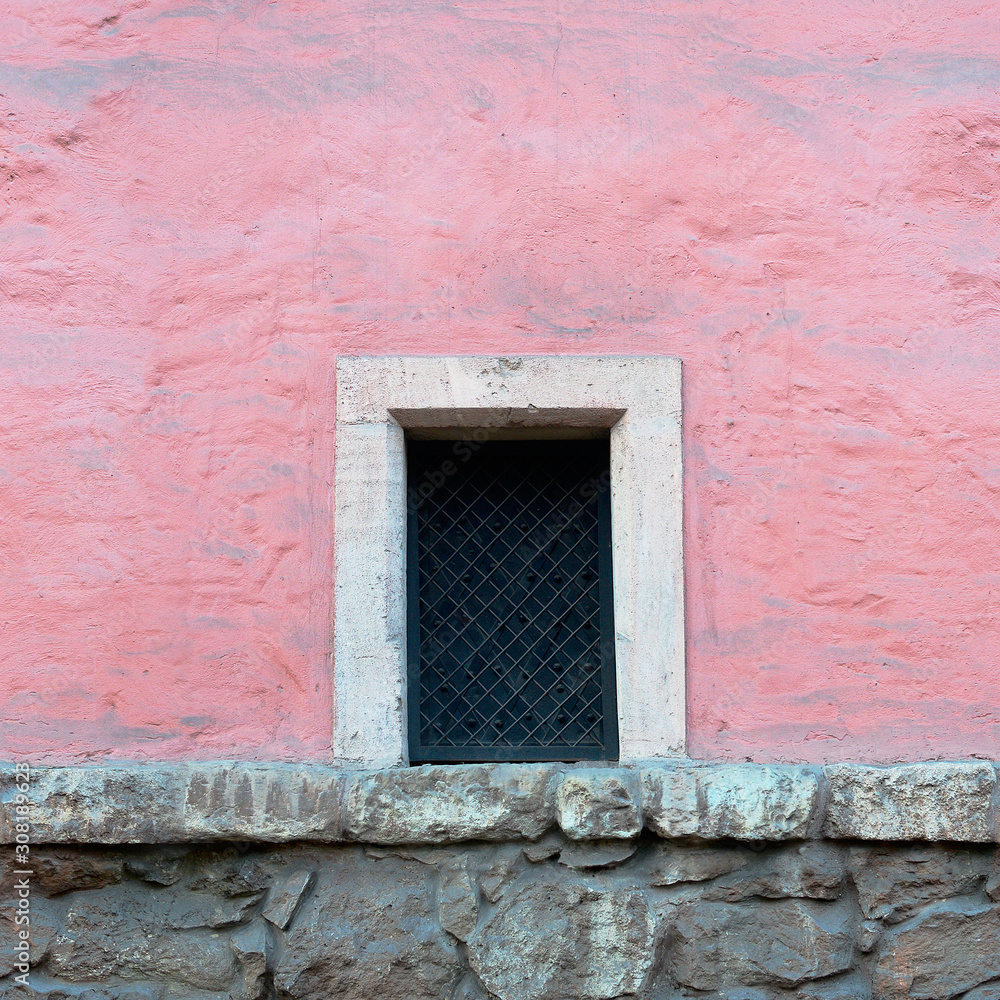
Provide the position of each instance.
(519, 882)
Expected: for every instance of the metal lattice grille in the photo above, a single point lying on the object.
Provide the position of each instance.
(510, 633)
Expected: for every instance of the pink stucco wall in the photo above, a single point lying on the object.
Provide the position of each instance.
(203, 204)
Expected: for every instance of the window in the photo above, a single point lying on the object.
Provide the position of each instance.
(510, 620)
(634, 401)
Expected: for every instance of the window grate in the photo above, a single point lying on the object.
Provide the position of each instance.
(510, 632)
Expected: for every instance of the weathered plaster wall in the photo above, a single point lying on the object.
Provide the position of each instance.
(202, 205)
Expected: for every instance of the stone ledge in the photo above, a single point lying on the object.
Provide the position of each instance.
(279, 803)
(934, 801)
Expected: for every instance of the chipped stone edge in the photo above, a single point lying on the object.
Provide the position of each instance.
(128, 803)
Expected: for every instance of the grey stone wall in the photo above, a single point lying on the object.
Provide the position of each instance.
(514, 882)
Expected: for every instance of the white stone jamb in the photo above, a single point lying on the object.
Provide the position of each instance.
(380, 398)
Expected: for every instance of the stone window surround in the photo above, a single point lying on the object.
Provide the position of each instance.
(636, 398)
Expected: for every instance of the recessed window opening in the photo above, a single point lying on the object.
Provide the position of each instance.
(510, 631)
(386, 407)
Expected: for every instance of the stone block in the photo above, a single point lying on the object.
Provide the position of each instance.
(547, 847)
(758, 802)
(457, 908)
(807, 871)
(498, 875)
(57, 870)
(670, 802)
(934, 801)
(948, 948)
(894, 881)
(100, 804)
(720, 945)
(110, 933)
(674, 864)
(157, 868)
(851, 986)
(176, 803)
(598, 804)
(869, 932)
(368, 929)
(591, 854)
(44, 988)
(42, 929)
(286, 896)
(439, 804)
(553, 938)
(264, 803)
(741, 801)
(182, 909)
(251, 947)
(230, 875)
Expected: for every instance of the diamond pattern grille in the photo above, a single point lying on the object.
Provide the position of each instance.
(511, 654)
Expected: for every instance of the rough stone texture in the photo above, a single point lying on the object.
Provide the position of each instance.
(674, 864)
(670, 801)
(550, 920)
(992, 887)
(251, 947)
(753, 802)
(717, 945)
(498, 876)
(230, 874)
(163, 803)
(745, 802)
(286, 896)
(869, 931)
(157, 871)
(42, 929)
(945, 950)
(368, 931)
(852, 986)
(936, 801)
(564, 938)
(991, 991)
(185, 909)
(596, 853)
(43, 988)
(893, 882)
(450, 804)
(457, 904)
(241, 802)
(549, 846)
(59, 870)
(598, 804)
(810, 870)
(108, 933)
(470, 989)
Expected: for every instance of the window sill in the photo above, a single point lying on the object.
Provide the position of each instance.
(433, 804)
